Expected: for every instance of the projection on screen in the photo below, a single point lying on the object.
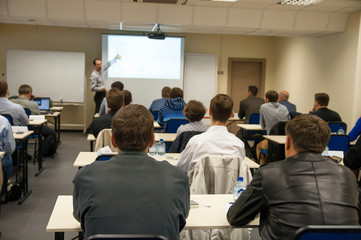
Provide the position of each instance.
(142, 57)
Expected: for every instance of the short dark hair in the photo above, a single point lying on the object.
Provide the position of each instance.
(194, 111)
(3, 88)
(322, 98)
(272, 95)
(309, 133)
(176, 92)
(96, 59)
(127, 97)
(115, 99)
(221, 107)
(166, 92)
(253, 90)
(117, 84)
(25, 89)
(132, 128)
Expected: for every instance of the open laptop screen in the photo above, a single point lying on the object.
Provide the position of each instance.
(44, 103)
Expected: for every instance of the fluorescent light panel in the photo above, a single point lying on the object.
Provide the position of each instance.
(299, 2)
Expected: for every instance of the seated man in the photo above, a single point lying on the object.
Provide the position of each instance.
(115, 100)
(320, 108)
(173, 106)
(304, 189)
(128, 99)
(16, 111)
(158, 103)
(7, 145)
(194, 111)
(49, 143)
(250, 105)
(131, 193)
(104, 105)
(216, 140)
(271, 113)
(283, 99)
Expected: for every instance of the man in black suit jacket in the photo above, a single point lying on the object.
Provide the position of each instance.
(131, 193)
(320, 108)
(250, 105)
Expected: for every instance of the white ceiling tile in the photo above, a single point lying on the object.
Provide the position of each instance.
(214, 4)
(139, 13)
(252, 5)
(281, 20)
(207, 16)
(66, 9)
(338, 21)
(71, 24)
(106, 11)
(7, 19)
(247, 18)
(286, 7)
(181, 15)
(312, 21)
(27, 8)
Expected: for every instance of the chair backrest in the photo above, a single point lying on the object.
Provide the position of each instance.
(254, 118)
(9, 118)
(181, 141)
(104, 157)
(339, 143)
(103, 139)
(127, 237)
(155, 115)
(278, 129)
(335, 126)
(329, 232)
(217, 174)
(172, 125)
(27, 111)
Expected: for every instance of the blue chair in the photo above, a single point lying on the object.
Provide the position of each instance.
(329, 232)
(339, 143)
(127, 237)
(335, 126)
(9, 118)
(172, 125)
(104, 157)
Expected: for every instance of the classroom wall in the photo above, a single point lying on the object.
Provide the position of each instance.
(30, 37)
(304, 66)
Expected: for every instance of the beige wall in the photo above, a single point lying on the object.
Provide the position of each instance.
(305, 66)
(29, 37)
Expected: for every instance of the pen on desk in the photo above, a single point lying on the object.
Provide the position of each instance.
(231, 202)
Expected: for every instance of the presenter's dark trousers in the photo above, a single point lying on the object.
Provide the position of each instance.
(98, 98)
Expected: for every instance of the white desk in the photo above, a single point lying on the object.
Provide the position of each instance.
(280, 139)
(38, 125)
(85, 158)
(211, 213)
(56, 109)
(251, 127)
(167, 137)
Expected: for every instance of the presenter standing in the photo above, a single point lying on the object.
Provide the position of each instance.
(97, 83)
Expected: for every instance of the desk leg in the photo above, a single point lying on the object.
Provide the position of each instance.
(25, 180)
(59, 236)
(40, 154)
(57, 123)
(91, 146)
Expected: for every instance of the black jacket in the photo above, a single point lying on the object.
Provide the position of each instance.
(305, 189)
(100, 123)
(327, 115)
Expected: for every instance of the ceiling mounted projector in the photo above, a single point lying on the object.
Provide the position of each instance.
(158, 34)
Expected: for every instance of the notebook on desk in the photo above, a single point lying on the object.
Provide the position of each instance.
(44, 104)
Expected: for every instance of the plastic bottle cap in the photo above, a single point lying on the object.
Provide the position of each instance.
(161, 140)
(240, 179)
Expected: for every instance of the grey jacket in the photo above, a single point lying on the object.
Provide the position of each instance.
(305, 189)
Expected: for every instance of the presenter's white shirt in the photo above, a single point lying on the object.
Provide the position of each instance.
(216, 141)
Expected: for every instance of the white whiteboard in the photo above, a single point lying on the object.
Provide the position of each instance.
(200, 77)
(54, 74)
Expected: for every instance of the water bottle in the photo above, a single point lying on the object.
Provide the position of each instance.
(153, 149)
(239, 188)
(161, 147)
(341, 131)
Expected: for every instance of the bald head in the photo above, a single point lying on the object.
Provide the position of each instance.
(283, 96)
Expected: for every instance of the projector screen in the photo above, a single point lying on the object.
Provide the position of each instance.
(146, 65)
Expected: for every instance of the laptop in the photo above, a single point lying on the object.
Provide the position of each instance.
(44, 104)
